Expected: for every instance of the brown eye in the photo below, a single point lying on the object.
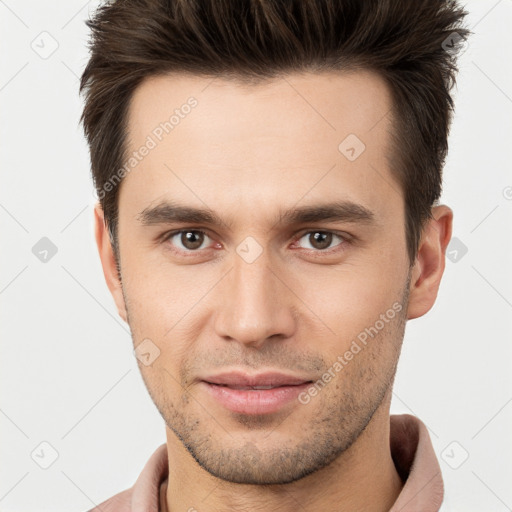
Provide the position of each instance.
(321, 240)
(188, 240)
(192, 239)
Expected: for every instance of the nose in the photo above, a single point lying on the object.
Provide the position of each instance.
(254, 304)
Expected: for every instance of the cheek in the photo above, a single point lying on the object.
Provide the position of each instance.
(163, 385)
(159, 295)
(351, 297)
(162, 307)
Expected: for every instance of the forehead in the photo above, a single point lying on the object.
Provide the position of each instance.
(299, 137)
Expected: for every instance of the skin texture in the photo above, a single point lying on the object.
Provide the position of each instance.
(249, 153)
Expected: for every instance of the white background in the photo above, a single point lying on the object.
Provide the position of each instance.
(68, 375)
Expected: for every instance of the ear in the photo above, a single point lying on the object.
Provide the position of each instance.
(430, 262)
(108, 261)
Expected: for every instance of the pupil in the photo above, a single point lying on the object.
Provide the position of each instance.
(322, 240)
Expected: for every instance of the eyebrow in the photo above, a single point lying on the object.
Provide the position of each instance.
(341, 211)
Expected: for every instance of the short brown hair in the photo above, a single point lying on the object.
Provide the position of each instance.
(412, 44)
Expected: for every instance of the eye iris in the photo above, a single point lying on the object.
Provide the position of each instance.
(192, 239)
(322, 239)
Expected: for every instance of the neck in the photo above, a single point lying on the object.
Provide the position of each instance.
(363, 478)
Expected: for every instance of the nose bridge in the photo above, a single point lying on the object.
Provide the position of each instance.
(254, 305)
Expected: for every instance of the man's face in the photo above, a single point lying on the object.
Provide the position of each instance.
(259, 291)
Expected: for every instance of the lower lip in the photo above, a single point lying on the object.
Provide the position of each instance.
(258, 401)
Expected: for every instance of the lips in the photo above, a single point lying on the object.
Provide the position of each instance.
(269, 380)
(263, 393)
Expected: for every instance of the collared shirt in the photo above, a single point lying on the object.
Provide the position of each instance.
(411, 450)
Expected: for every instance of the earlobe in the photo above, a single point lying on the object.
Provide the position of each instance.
(108, 261)
(430, 262)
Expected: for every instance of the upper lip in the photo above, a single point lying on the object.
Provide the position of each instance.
(274, 379)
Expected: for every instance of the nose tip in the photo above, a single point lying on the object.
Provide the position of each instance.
(254, 307)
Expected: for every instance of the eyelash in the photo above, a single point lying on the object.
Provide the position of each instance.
(346, 239)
